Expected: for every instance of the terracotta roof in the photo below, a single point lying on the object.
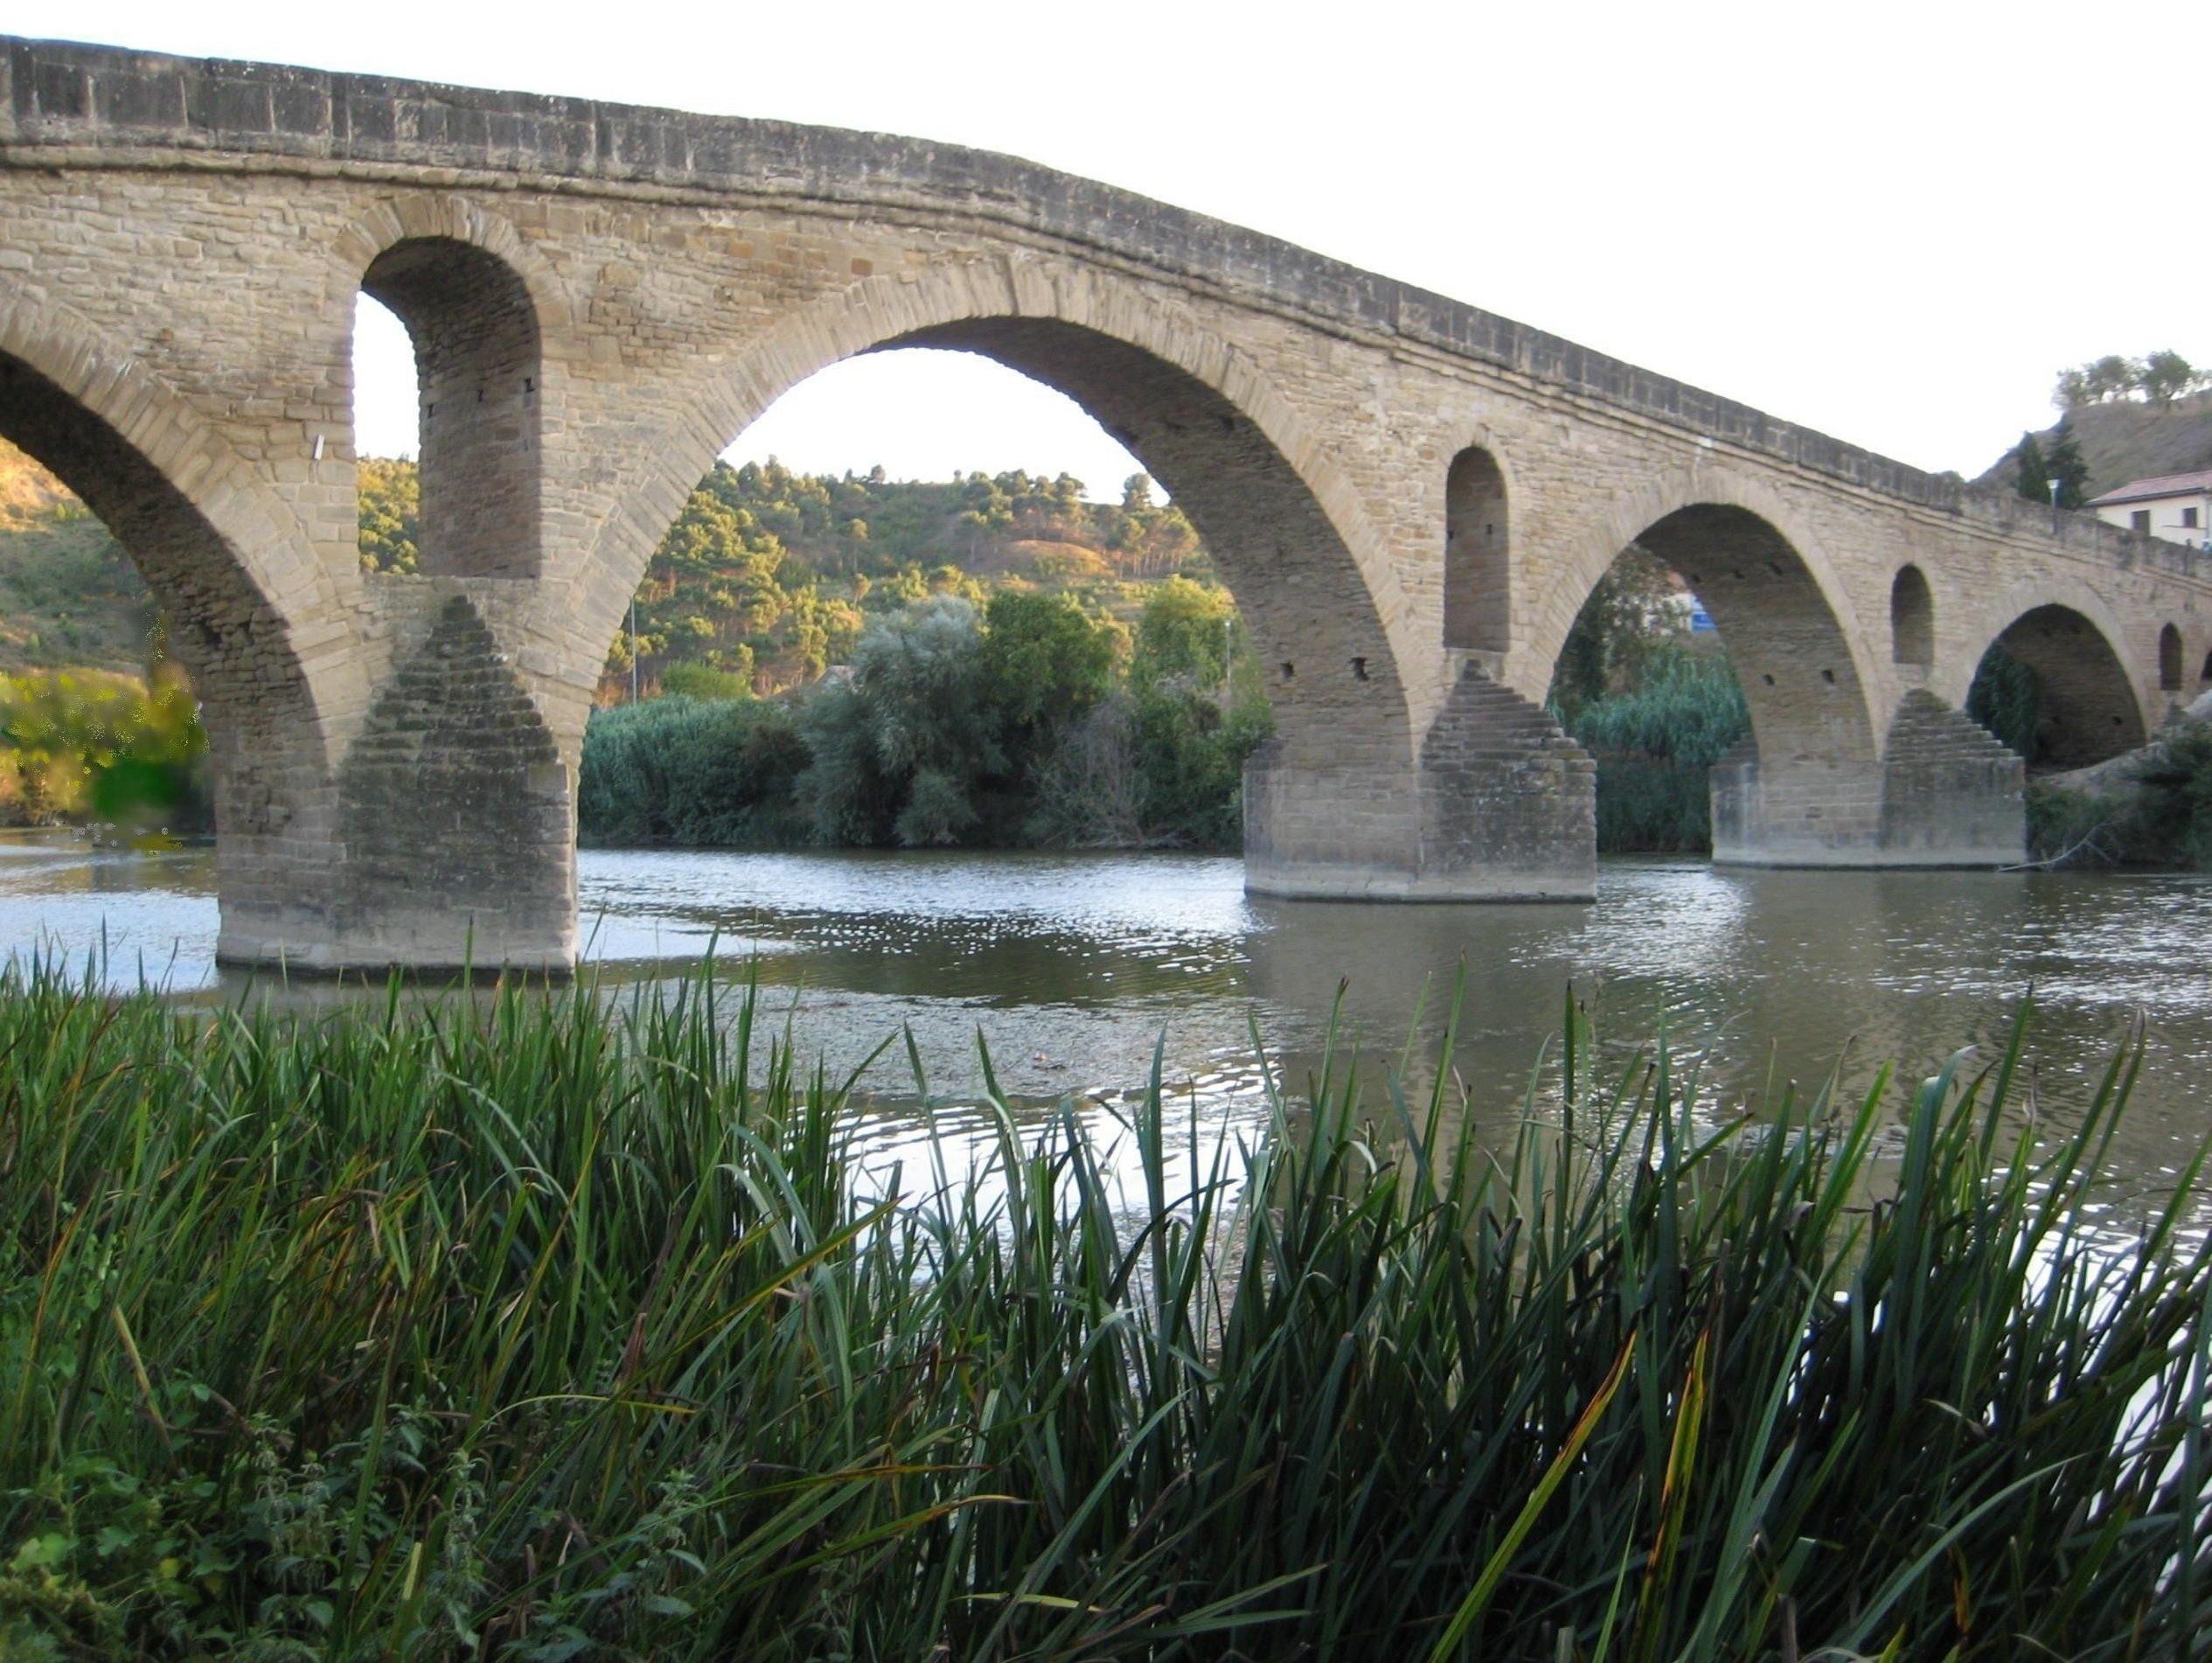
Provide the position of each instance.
(2137, 490)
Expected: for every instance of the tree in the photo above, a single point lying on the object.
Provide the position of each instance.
(898, 753)
(1184, 631)
(2165, 377)
(2110, 377)
(2067, 466)
(2072, 392)
(390, 495)
(1045, 664)
(2032, 478)
(1627, 615)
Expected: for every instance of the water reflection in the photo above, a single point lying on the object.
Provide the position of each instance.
(1071, 969)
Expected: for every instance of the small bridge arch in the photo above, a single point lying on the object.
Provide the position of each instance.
(2088, 708)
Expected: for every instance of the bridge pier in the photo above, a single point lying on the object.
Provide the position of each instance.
(1501, 807)
(1945, 794)
(447, 839)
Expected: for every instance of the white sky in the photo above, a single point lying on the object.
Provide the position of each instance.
(1892, 222)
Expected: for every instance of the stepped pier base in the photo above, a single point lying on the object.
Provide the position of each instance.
(1503, 807)
(1946, 794)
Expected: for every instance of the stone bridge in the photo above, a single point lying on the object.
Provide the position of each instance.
(1409, 497)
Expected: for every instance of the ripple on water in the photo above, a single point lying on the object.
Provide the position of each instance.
(1071, 969)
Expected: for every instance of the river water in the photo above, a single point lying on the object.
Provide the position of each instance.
(1071, 969)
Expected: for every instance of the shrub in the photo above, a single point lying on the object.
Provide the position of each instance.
(720, 773)
(704, 682)
(78, 745)
(1655, 745)
(898, 752)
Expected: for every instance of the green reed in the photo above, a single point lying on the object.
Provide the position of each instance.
(547, 1326)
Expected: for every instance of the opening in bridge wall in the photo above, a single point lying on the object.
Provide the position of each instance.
(2053, 688)
(1478, 595)
(982, 655)
(479, 398)
(2169, 659)
(100, 554)
(1644, 682)
(1912, 619)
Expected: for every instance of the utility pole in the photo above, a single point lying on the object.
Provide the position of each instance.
(2055, 482)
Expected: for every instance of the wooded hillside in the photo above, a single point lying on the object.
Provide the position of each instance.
(2126, 439)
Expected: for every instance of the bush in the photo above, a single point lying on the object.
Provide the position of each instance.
(1655, 745)
(898, 753)
(90, 745)
(949, 730)
(1190, 766)
(2161, 819)
(716, 774)
(704, 682)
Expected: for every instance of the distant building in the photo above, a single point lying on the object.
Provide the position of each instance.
(2177, 507)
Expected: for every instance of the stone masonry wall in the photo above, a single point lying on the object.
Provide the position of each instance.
(182, 244)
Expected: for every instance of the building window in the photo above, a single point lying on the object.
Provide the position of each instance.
(2188, 519)
(2140, 520)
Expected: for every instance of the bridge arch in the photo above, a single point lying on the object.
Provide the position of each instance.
(224, 557)
(256, 617)
(2087, 707)
(1777, 609)
(1312, 575)
(475, 309)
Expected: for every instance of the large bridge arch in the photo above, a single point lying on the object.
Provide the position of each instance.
(1312, 574)
(256, 619)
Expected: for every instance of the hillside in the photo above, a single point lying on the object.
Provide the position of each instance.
(769, 576)
(2126, 439)
(766, 578)
(69, 597)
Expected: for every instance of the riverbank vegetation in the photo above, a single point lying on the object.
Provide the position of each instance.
(2150, 809)
(93, 746)
(564, 1326)
(768, 577)
(1655, 701)
(97, 723)
(1026, 722)
(2152, 812)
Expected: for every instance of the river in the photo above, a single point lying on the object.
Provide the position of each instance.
(1072, 967)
